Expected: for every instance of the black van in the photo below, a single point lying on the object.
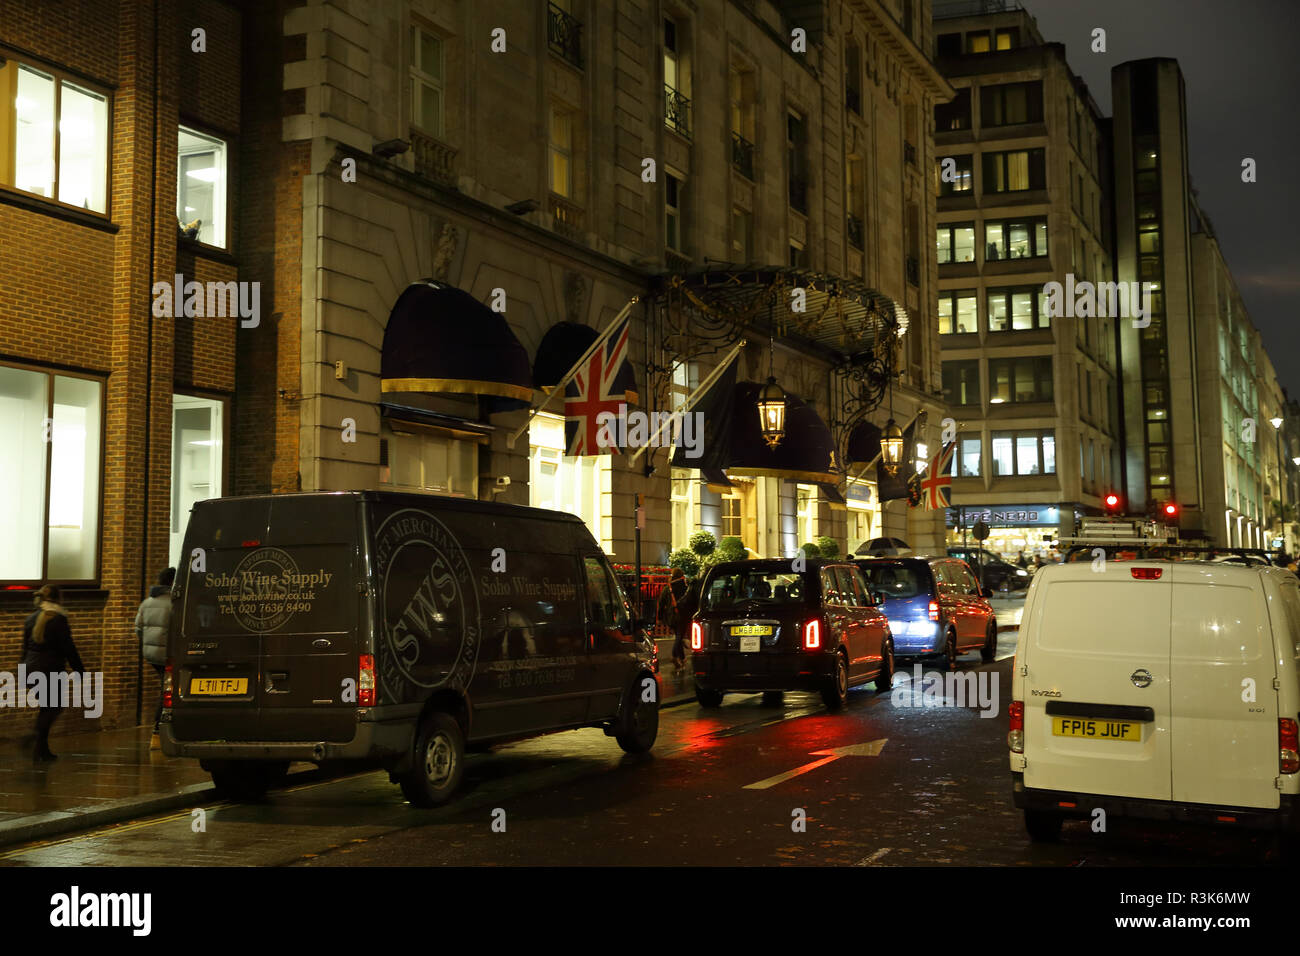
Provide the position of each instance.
(393, 629)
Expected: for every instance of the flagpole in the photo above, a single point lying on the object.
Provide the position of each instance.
(559, 388)
(700, 390)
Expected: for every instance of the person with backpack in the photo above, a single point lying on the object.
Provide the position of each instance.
(152, 620)
(48, 649)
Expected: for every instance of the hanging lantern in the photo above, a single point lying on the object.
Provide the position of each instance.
(891, 447)
(771, 412)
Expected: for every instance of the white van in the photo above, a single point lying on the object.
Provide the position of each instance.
(1159, 689)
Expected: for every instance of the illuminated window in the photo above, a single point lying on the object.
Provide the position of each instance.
(573, 484)
(201, 185)
(561, 149)
(197, 457)
(53, 137)
(52, 425)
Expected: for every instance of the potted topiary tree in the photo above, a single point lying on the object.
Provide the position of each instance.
(828, 547)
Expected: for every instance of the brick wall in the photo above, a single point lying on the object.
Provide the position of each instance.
(79, 296)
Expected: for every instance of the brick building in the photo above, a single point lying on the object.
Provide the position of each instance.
(112, 123)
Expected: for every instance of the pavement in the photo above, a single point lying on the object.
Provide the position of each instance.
(112, 776)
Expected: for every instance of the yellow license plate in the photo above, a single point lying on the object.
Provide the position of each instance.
(1092, 729)
(752, 630)
(218, 686)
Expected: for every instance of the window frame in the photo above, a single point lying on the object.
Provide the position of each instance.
(439, 83)
(51, 373)
(993, 98)
(963, 187)
(995, 165)
(1032, 223)
(956, 365)
(228, 147)
(1038, 363)
(1014, 435)
(951, 228)
(87, 84)
(1039, 315)
(953, 296)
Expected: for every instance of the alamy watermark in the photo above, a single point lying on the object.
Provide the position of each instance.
(60, 689)
(636, 429)
(949, 689)
(195, 299)
(1107, 300)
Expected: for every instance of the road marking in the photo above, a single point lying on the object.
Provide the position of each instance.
(869, 749)
(871, 860)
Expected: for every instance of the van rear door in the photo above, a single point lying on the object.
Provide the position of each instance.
(269, 620)
(1096, 683)
(1225, 707)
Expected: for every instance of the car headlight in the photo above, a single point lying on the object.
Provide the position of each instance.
(1023, 573)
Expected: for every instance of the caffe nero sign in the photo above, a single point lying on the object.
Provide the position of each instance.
(1007, 516)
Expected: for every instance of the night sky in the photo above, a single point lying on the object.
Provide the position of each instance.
(1241, 65)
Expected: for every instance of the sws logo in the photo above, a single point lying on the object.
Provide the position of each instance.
(429, 606)
(76, 909)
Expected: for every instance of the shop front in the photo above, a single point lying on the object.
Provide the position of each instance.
(1031, 529)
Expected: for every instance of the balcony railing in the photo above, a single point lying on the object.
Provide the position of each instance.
(564, 33)
(912, 265)
(677, 111)
(909, 152)
(799, 193)
(676, 261)
(569, 218)
(742, 155)
(434, 159)
(855, 232)
(948, 9)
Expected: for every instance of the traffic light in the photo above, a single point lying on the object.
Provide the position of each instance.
(1112, 503)
(1170, 512)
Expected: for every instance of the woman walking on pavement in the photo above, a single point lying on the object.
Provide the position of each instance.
(48, 649)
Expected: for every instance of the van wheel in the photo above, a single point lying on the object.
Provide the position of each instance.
(836, 692)
(638, 721)
(990, 648)
(885, 679)
(246, 780)
(1043, 827)
(707, 697)
(773, 698)
(949, 658)
(439, 762)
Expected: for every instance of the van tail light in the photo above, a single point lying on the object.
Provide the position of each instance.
(697, 636)
(934, 610)
(812, 635)
(167, 685)
(366, 681)
(1288, 742)
(1146, 574)
(1016, 733)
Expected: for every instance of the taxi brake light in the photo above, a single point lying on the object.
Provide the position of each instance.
(697, 636)
(812, 635)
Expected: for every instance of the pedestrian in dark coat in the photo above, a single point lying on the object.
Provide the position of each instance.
(152, 621)
(48, 649)
(669, 613)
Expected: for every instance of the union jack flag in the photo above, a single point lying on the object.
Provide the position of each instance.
(595, 389)
(936, 486)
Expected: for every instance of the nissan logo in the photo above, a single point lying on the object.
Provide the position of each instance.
(1141, 677)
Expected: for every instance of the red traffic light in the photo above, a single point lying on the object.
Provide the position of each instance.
(1171, 510)
(1112, 501)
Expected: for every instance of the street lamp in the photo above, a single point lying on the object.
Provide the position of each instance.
(771, 412)
(1276, 422)
(891, 447)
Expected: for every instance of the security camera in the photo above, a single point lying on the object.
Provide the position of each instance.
(502, 481)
